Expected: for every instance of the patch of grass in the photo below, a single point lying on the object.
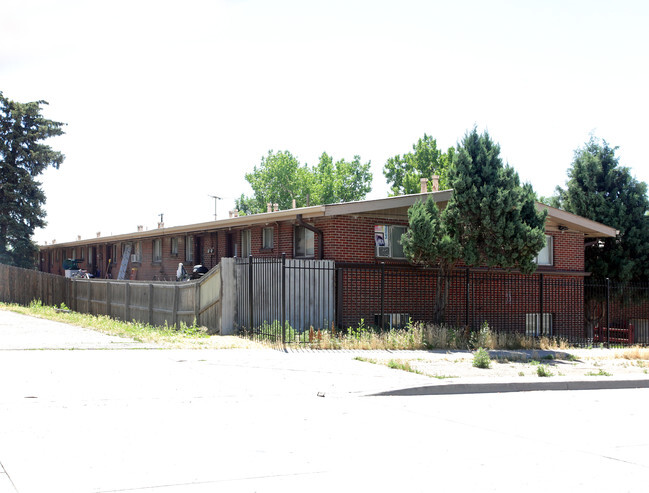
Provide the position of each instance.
(521, 374)
(600, 373)
(544, 371)
(481, 359)
(548, 357)
(404, 365)
(184, 336)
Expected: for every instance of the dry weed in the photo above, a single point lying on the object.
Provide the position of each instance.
(635, 352)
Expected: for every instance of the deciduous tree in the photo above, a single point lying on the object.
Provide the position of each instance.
(403, 173)
(281, 178)
(23, 157)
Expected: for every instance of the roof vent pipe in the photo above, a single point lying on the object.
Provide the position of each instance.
(424, 185)
(275, 207)
(294, 204)
(311, 227)
(269, 207)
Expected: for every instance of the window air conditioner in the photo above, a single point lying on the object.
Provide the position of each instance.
(382, 241)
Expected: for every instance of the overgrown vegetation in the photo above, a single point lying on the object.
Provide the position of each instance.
(414, 336)
(184, 336)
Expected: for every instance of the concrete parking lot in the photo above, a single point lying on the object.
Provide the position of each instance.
(115, 416)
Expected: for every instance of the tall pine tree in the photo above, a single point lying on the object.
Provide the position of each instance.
(601, 190)
(22, 158)
(491, 219)
(491, 215)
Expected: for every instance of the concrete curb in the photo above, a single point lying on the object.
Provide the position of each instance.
(501, 387)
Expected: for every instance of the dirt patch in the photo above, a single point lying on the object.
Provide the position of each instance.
(515, 364)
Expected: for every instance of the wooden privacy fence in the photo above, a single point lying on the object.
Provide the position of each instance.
(22, 286)
(154, 303)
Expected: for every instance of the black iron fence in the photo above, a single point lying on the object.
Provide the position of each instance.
(284, 299)
(289, 300)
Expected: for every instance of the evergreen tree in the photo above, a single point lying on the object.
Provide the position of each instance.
(22, 158)
(429, 242)
(490, 219)
(490, 214)
(601, 190)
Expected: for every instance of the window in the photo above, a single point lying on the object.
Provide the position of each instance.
(546, 255)
(387, 241)
(137, 254)
(157, 250)
(245, 243)
(267, 238)
(304, 242)
(189, 248)
(174, 246)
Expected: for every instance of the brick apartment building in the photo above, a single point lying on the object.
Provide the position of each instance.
(366, 231)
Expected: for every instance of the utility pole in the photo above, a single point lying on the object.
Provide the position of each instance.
(216, 198)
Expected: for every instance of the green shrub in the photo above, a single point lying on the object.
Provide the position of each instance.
(543, 371)
(481, 359)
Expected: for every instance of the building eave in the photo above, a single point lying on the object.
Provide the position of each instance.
(233, 222)
(562, 221)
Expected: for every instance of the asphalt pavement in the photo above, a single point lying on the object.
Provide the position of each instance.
(84, 412)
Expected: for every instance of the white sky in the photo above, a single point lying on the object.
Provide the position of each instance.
(167, 103)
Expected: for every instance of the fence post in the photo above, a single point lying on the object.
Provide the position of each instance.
(150, 304)
(339, 296)
(541, 304)
(608, 317)
(197, 303)
(283, 307)
(250, 293)
(382, 296)
(108, 299)
(127, 302)
(468, 294)
(174, 312)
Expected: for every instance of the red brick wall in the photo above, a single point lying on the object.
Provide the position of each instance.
(346, 239)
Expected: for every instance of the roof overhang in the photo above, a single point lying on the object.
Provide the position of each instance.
(233, 222)
(391, 207)
(563, 221)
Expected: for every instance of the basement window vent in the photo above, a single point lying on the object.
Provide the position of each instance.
(533, 324)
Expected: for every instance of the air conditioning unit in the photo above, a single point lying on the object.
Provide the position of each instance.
(135, 258)
(382, 241)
